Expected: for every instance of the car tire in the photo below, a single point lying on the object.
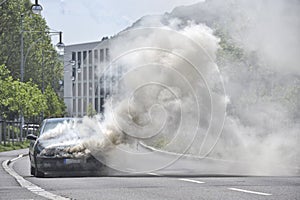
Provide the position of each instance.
(37, 173)
(32, 171)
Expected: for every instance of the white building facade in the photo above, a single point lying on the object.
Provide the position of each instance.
(87, 79)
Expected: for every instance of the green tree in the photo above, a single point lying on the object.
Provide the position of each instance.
(19, 97)
(38, 50)
(56, 106)
(42, 65)
(91, 112)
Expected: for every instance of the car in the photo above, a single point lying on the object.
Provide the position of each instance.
(51, 158)
(30, 128)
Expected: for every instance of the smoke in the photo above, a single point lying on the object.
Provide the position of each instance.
(255, 45)
(80, 137)
(218, 80)
(260, 67)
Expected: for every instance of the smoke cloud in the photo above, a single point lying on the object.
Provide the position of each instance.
(216, 80)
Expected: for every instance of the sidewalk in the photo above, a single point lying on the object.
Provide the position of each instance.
(9, 187)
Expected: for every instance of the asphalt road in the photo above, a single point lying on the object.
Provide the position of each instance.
(9, 188)
(160, 186)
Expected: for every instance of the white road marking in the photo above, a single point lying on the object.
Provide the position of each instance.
(190, 180)
(14, 159)
(130, 169)
(153, 174)
(28, 185)
(249, 191)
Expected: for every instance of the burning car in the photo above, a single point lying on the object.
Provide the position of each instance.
(52, 157)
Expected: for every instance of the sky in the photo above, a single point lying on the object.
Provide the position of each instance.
(89, 20)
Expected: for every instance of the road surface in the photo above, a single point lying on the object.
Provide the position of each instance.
(154, 186)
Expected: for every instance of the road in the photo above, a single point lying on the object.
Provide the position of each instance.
(157, 186)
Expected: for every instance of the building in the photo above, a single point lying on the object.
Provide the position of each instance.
(88, 79)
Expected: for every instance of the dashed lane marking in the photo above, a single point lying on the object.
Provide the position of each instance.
(153, 174)
(191, 180)
(249, 191)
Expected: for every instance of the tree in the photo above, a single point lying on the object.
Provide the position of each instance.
(19, 97)
(91, 112)
(56, 106)
(38, 49)
(42, 65)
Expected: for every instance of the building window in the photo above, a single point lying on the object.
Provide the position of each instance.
(74, 105)
(85, 89)
(90, 57)
(79, 74)
(73, 55)
(90, 89)
(84, 105)
(79, 89)
(84, 57)
(107, 54)
(84, 73)
(73, 67)
(74, 90)
(96, 72)
(79, 59)
(101, 55)
(96, 56)
(90, 73)
(79, 106)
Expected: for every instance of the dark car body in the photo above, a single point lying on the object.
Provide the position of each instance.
(56, 162)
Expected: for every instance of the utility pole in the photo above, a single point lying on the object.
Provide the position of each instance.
(22, 49)
(22, 73)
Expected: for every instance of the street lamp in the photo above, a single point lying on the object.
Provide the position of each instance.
(60, 46)
(36, 8)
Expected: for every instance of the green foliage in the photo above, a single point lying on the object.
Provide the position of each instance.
(15, 146)
(40, 58)
(56, 106)
(91, 112)
(38, 49)
(229, 50)
(17, 97)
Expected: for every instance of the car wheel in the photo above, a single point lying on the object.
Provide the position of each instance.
(32, 171)
(37, 173)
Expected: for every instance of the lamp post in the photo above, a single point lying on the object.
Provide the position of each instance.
(36, 8)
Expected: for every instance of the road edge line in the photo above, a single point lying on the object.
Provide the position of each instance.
(27, 184)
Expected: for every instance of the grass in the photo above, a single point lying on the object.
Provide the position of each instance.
(15, 146)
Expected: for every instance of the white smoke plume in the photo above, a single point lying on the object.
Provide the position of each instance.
(218, 80)
(262, 124)
(258, 65)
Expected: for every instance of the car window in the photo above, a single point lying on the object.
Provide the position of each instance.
(52, 124)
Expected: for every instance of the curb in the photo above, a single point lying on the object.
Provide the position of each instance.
(26, 184)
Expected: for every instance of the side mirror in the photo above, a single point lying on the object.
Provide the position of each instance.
(31, 137)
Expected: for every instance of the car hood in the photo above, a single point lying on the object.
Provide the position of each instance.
(69, 149)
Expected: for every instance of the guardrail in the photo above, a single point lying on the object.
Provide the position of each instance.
(10, 131)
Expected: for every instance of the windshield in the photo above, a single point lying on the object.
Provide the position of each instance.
(52, 124)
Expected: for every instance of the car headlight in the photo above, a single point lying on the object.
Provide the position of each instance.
(38, 147)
